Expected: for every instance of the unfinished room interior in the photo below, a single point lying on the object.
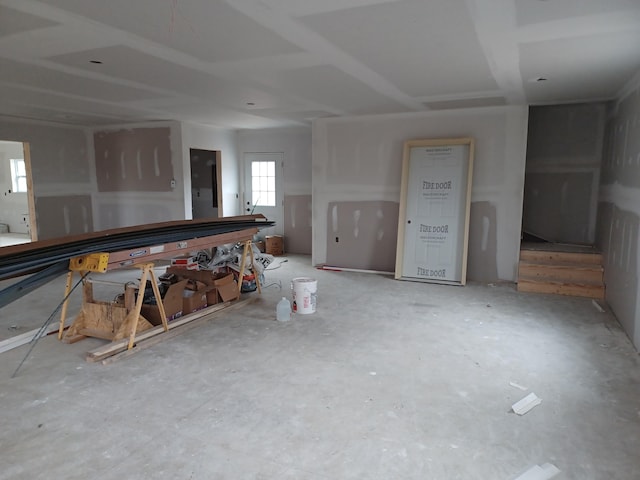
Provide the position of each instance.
(305, 239)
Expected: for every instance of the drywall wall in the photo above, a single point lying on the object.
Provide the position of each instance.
(14, 206)
(564, 154)
(225, 141)
(139, 174)
(136, 159)
(64, 214)
(295, 145)
(349, 236)
(297, 224)
(62, 169)
(619, 210)
(359, 159)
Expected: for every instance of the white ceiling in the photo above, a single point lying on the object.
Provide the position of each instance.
(269, 63)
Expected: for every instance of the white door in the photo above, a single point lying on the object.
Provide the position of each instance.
(436, 214)
(263, 188)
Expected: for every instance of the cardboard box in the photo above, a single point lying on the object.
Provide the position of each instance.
(204, 276)
(192, 301)
(227, 287)
(274, 244)
(172, 303)
(212, 295)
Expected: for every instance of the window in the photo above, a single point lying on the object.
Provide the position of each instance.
(263, 183)
(18, 175)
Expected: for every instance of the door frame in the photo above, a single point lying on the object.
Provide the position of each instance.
(217, 179)
(31, 200)
(409, 145)
(31, 203)
(246, 190)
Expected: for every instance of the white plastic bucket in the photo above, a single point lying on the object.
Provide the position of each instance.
(304, 292)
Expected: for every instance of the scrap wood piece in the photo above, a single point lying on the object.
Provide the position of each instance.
(526, 404)
(540, 472)
(597, 306)
(202, 316)
(518, 386)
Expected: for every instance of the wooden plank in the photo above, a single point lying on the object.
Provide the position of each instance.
(583, 274)
(149, 342)
(557, 288)
(73, 339)
(65, 304)
(134, 256)
(91, 332)
(115, 347)
(560, 257)
(53, 242)
(31, 201)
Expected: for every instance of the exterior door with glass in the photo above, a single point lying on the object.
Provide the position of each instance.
(263, 188)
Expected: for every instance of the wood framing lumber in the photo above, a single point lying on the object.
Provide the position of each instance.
(32, 257)
(113, 348)
(149, 342)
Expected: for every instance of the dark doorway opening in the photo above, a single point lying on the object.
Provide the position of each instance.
(206, 183)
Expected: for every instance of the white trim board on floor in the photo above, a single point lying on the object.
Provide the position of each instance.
(26, 337)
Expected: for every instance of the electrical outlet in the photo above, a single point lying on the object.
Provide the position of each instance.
(173, 183)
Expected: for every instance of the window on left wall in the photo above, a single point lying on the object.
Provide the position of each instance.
(18, 175)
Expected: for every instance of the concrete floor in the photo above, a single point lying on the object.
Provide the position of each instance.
(388, 380)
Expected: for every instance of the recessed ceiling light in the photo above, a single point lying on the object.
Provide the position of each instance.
(251, 104)
(97, 62)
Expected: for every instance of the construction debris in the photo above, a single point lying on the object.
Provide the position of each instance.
(526, 404)
(540, 472)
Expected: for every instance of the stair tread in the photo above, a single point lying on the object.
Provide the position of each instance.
(563, 265)
(586, 256)
(566, 289)
(538, 280)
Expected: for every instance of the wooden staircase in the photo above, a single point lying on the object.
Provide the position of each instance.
(579, 274)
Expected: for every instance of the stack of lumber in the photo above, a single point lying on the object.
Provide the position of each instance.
(47, 259)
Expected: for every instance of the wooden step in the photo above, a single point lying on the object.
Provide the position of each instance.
(534, 285)
(542, 256)
(564, 272)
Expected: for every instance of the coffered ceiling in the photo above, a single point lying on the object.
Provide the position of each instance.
(270, 63)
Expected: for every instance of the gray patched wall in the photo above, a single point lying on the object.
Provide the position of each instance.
(482, 262)
(618, 239)
(358, 161)
(64, 215)
(297, 224)
(363, 235)
(139, 175)
(61, 165)
(619, 211)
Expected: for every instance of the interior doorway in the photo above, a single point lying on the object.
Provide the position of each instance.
(17, 205)
(564, 154)
(206, 183)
